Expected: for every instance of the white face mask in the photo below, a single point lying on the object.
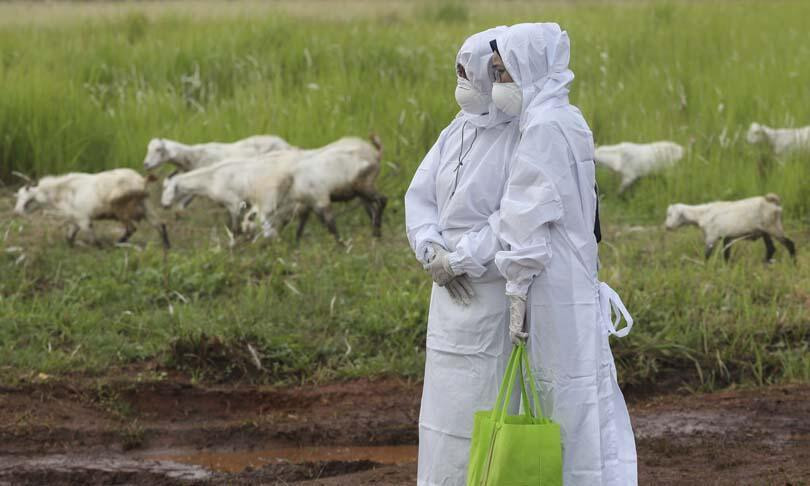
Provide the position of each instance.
(508, 98)
(470, 99)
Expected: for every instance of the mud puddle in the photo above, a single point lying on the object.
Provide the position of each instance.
(238, 461)
(273, 466)
(671, 423)
(59, 469)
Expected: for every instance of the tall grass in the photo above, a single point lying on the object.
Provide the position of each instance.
(89, 92)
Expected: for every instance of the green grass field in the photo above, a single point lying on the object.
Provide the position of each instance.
(85, 86)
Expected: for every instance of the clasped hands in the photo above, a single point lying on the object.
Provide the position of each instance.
(438, 265)
(460, 289)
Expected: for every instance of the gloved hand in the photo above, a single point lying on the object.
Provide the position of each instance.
(460, 290)
(517, 318)
(439, 267)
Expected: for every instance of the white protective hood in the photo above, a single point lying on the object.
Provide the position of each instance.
(537, 56)
(475, 55)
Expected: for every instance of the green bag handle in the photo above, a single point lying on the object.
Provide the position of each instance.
(518, 362)
(517, 351)
(506, 384)
(527, 410)
(538, 411)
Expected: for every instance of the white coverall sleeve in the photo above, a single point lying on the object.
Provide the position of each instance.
(531, 203)
(476, 249)
(421, 209)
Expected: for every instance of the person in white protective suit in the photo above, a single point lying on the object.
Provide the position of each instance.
(450, 207)
(547, 225)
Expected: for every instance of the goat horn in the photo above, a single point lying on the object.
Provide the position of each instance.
(22, 176)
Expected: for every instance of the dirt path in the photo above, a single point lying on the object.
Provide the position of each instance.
(361, 433)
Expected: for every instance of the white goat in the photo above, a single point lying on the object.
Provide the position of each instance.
(752, 218)
(189, 157)
(232, 183)
(781, 140)
(634, 160)
(340, 171)
(118, 194)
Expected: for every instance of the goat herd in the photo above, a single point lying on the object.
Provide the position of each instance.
(261, 178)
(729, 221)
(264, 182)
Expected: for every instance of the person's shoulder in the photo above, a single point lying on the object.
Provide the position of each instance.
(557, 120)
(454, 125)
(546, 125)
(448, 131)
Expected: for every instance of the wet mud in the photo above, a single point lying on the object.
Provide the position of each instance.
(238, 461)
(361, 432)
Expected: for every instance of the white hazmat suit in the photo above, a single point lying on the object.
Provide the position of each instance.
(453, 201)
(547, 223)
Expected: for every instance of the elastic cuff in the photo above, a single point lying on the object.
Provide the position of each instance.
(520, 289)
(455, 262)
(461, 265)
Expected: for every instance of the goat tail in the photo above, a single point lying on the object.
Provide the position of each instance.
(375, 140)
(773, 198)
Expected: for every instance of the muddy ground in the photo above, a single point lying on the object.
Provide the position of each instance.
(361, 432)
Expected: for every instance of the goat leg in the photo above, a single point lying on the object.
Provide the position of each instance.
(709, 250)
(382, 201)
(129, 229)
(788, 243)
(302, 222)
(770, 249)
(374, 203)
(626, 183)
(726, 248)
(324, 214)
(88, 226)
(233, 222)
(72, 231)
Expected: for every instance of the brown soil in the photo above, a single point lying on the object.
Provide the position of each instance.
(361, 432)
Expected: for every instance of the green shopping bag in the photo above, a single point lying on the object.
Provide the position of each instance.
(515, 450)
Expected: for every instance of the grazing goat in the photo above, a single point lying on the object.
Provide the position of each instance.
(780, 140)
(340, 171)
(118, 194)
(232, 183)
(190, 157)
(752, 218)
(634, 160)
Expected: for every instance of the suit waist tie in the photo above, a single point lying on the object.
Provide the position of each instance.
(609, 304)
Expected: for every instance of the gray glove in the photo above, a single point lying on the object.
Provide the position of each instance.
(460, 290)
(439, 266)
(517, 318)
